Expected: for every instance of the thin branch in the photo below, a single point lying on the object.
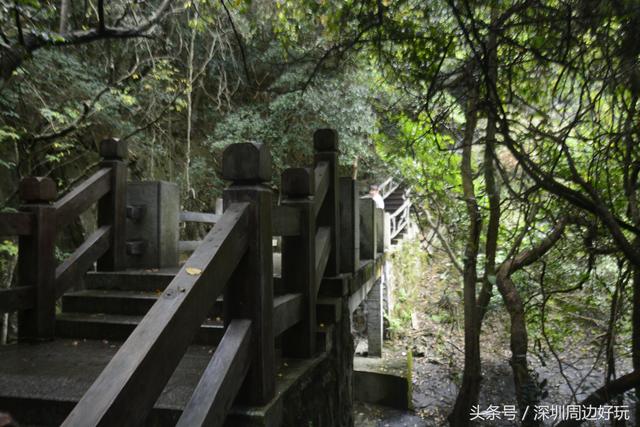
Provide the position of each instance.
(240, 43)
(101, 24)
(16, 13)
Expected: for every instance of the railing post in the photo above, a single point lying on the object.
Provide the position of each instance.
(112, 208)
(325, 143)
(299, 260)
(36, 259)
(349, 226)
(249, 293)
(367, 229)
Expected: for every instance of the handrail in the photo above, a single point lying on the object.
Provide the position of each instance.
(82, 197)
(321, 173)
(386, 182)
(188, 245)
(399, 219)
(285, 221)
(204, 217)
(384, 187)
(222, 378)
(139, 371)
(40, 220)
(323, 249)
(388, 187)
(287, 312)
(82, 258)
(402, 208)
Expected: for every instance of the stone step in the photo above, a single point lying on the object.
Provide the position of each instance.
(114, 301)
(395, 197)
(40, 384)
(393, 204)
(130, 280)
(142, 280)
(117, 327)
(108, 301)
(382, 381)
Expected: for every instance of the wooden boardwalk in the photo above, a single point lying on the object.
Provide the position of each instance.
(218, 338)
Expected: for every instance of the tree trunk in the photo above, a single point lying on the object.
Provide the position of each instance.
(527, 391)
(492, 188)
(470, 388)
(65, 11)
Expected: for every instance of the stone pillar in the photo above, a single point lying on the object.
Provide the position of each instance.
(374, 319)
(152, 235)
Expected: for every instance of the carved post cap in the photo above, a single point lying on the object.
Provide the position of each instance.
(298, 182)
(34, 189)
(325, 140)
(114, 149)
(246, 162)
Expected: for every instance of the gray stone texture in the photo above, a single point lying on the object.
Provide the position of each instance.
(374, 319)
(158, 226)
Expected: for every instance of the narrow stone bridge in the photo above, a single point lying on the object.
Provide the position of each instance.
(252, 329)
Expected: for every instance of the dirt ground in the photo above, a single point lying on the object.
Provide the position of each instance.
(437, 344)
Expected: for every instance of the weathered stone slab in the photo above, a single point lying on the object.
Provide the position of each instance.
(382, 381)
(157, 225)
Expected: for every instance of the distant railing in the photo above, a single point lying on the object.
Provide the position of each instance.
(388, 186)
(40, 281)
(199, 217)
(399, 219)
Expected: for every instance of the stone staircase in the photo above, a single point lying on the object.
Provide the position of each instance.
(396, 199)
(112, 305)
(40, 384)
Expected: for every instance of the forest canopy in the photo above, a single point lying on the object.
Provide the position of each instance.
(514, 123)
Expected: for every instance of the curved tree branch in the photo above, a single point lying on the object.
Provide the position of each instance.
(12, 56)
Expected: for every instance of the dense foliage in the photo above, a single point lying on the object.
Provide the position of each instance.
(514, 123)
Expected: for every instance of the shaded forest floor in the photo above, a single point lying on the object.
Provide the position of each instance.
(437, 343)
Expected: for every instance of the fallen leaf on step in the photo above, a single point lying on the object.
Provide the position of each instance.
(193, 271)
